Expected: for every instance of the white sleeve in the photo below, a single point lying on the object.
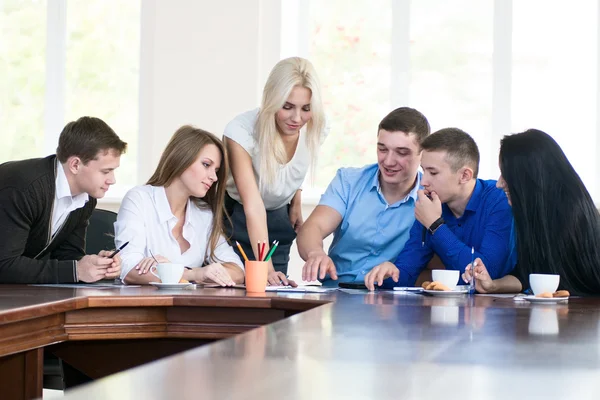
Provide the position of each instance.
(130, 227)
(224, 253)
(241, 130)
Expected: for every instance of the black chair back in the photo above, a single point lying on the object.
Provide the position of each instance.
(100, 232)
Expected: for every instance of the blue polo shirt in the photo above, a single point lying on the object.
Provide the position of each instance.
(371, 230)
(485, 225)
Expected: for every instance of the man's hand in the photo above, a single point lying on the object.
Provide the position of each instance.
(381, 272)
(318, 265)
(92, 268)
(427, 210)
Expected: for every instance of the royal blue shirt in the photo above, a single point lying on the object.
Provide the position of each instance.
(372, 231)
(485, 225)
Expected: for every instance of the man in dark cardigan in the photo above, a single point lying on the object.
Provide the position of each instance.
(46, 203)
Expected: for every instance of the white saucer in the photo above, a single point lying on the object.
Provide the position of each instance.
(534, 299)
(450, 293)
(171, 286)
(417, 289)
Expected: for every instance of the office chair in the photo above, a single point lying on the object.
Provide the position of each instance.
(100, 236)
(100, 232)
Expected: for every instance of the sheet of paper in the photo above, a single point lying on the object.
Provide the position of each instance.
(86, 285)
(302, 289)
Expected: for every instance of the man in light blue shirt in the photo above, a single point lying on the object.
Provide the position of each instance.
(369, 210)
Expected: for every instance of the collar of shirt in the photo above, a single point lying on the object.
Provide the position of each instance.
(63, 189)
(164, 210)
(375, 185)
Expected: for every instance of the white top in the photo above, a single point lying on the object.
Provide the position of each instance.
(64, 201)
(289, 177)
(145, 221)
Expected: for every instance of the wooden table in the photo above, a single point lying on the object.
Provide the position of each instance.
(103, 331)
(340, 345)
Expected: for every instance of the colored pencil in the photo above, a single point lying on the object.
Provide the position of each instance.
(241, 250)
(275, 244)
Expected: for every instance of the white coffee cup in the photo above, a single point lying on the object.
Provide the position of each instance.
(543, 321)
(169, 272)
(541, 283)
(445, 276)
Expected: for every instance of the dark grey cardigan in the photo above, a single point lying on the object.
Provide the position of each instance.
(27, 255)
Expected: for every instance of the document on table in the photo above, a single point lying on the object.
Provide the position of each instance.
(86, 285)
(301, 289)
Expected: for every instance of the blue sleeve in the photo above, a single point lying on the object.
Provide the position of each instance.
(337, 193)
(413, 258)
(493, 251)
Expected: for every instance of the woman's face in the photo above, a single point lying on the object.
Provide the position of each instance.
(295, 113)
(199, 177)
(501, 184)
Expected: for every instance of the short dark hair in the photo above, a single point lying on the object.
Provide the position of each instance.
(86, 137)
(459, 146)
(407, 120)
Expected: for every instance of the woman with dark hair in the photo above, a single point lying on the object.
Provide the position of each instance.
(556, 224)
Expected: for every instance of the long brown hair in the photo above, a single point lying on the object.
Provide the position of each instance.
(181, 152)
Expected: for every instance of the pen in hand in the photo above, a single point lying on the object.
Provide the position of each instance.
(114, 253)
(472, 283)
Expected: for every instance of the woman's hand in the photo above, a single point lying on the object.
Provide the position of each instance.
(483, 281)
(276, 278)
(147, 263)
(214, 273)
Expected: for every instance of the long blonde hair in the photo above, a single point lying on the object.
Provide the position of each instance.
(286, 74)
(181, 152)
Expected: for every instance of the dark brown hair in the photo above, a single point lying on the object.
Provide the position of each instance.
(181, 152)
(85, 138)
(461, 150)
(407, 120)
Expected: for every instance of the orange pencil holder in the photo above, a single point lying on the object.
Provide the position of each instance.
(256, 276)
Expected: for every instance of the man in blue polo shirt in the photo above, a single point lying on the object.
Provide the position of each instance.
(456, 212)
(369, 210)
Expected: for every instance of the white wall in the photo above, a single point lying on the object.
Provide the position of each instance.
(202, 63)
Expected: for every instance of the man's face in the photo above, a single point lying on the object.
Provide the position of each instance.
(95, 177)
(398, 156)
(438, 176)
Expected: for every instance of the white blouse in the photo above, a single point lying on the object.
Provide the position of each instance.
(289, 177)
(145, 221)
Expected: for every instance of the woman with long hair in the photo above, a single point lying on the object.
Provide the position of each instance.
(178, 215)
(556, 224)
(270, 151)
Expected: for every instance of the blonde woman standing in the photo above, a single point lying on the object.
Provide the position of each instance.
(270, 150)
(178, 215)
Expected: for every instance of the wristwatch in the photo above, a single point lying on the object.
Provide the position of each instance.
(436, 224)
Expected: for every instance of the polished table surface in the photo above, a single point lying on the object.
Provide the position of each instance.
(353, 344)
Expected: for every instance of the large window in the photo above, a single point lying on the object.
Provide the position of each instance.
(555, 78)
(350, 48)
(451, 67)
(93, 51)
(489, 67)
(102, 70)
(22, 78)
